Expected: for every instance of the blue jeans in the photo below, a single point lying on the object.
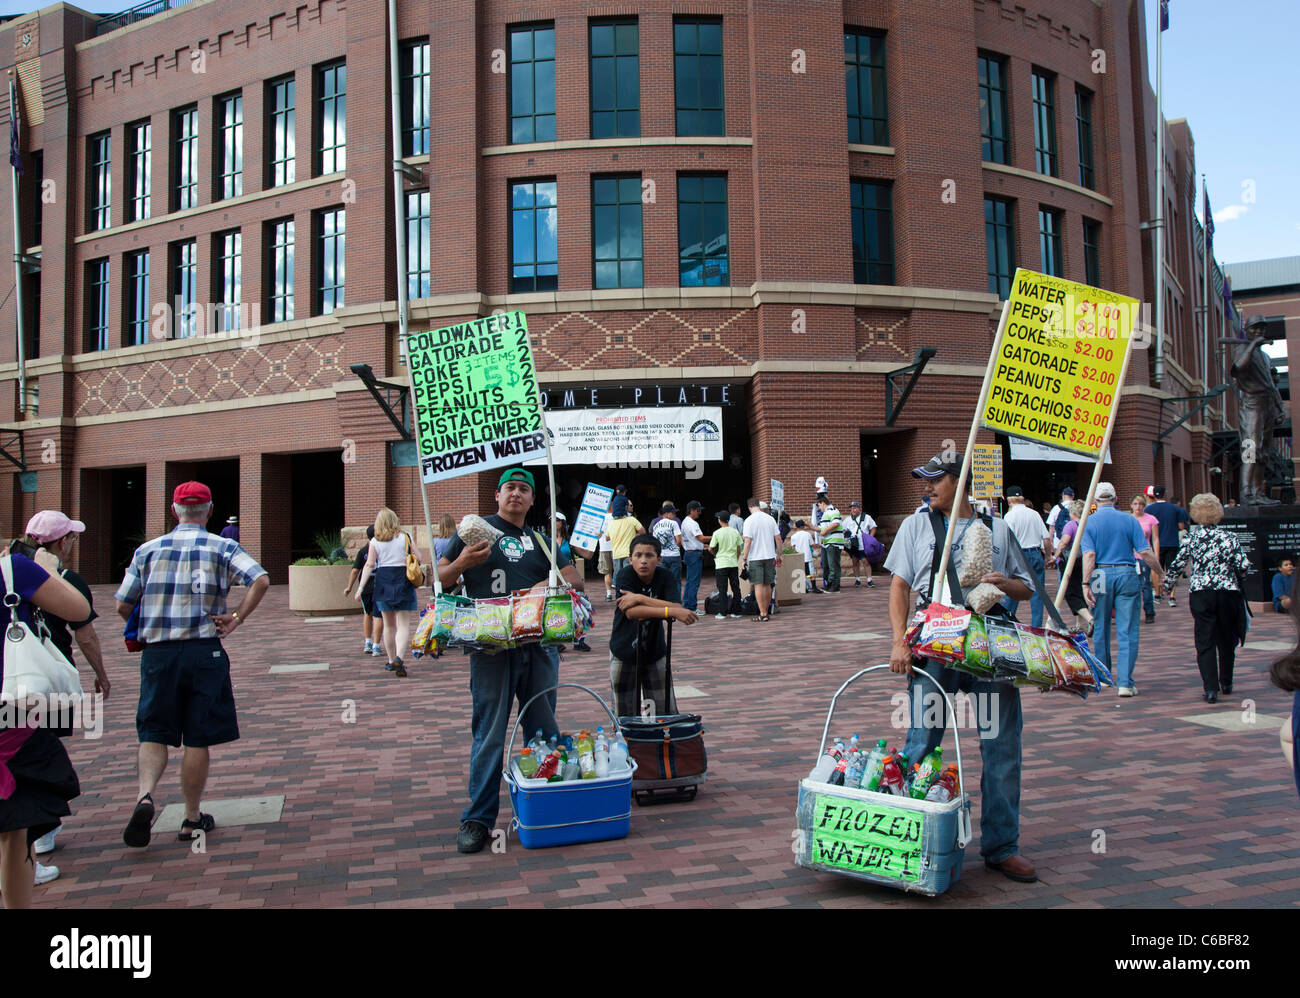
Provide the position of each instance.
(1034, 558)
(673, 566)
(494, 681)
(694, 566)
(1123, 593)
(1000, 780)
(1148, 595)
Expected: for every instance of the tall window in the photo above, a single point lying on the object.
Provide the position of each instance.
(1044, 122)
(1049, 242)
(280, 109)
(228, 273)
(1083, 121)
(532, 84)
(34, 193)
(279, 270)
(702, 230)
(137, 298)
(331, 118)
(864, 84)
(615, 79)
(419, 250)
(871, 205)
(99, 156)
(185, 158)
(534, 237)
(138, 171)
(230, 146)
(994, 117)
(1092, 252)
(1000, 242)
(331, 233)
(616, 232)
(184, 288)
(697, 71)
(97, 305)
(414, 70)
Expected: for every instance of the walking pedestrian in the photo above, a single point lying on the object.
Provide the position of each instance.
(1172, 517)
(1074, 584)
(394, 592)
(725, 545)
(181, 582)
(1031, 534)
(693, 541)
(1151, 531)
(1216, 599)
(605, 557)
(231, 530)
(372, 622)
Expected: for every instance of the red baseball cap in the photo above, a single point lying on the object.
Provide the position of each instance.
(191, 494)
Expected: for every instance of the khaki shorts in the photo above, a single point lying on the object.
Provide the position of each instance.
(762, 573)
(605, 563)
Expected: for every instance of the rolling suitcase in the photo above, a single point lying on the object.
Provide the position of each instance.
(671, 761)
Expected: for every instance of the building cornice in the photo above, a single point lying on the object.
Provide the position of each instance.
(1015, 171)
(533, 148)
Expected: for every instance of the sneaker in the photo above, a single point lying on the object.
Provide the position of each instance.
(378, 651)
(581, 645)
(45, 844)
(721, 616)
(609, 598)
(1151, 618)
(44, 874)
(870, 584)
(1171, 600)
(736, 616)
(1159, 600)
(1128, 691)
(857, 583)
(472, 837)
(368, 647)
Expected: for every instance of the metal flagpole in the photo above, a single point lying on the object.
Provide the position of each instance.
(18, 266)
(1159, 263)
(1205, 293)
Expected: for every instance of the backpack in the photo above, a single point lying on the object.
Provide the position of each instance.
(714, 605)
(749, 606)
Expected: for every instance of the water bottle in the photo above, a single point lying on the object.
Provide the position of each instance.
(825, 766)
(857, 763)
(539, 744)
(853, 743)
(602, 754)
(572, 771)
(618, 755)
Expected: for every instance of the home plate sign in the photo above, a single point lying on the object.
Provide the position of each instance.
(474, 395)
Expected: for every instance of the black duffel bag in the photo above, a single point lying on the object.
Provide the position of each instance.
(715, 604)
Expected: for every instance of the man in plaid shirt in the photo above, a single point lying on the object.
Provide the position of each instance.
(180, 581)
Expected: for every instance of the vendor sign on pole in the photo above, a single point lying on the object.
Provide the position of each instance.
(778, 496)
(591, 518)
(986, 473)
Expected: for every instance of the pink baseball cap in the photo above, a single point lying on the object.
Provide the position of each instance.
(49, 525)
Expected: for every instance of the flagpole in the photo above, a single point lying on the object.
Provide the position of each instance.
(18, 266)
(1205, 291)
(1160, 202)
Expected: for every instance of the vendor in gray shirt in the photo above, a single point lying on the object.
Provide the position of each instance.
(997, 703)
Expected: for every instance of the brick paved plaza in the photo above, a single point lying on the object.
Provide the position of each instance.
(1197, 809)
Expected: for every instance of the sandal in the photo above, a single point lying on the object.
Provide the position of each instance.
(136, 834)
(764, 620)
(205, 824)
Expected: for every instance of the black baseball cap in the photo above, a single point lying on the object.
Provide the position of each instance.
(694, 504)
(723, 514)
(1014, 491)
(668, 507)
(1068, 491)
(937, 467)
(1158, 491)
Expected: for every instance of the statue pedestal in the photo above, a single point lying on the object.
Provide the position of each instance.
(1267, 534)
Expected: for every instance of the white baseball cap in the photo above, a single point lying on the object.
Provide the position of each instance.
(1105, 490)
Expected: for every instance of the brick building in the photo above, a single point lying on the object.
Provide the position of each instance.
(782, 201)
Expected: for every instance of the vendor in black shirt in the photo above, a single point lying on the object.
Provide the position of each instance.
(645, 595)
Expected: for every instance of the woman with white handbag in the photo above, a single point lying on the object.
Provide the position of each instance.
(36, 776)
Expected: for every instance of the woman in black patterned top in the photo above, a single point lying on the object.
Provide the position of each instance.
(1217, 602)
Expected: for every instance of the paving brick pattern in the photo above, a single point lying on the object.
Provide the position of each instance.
(1189, 815)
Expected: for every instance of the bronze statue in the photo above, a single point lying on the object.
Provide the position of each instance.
(1260, 407)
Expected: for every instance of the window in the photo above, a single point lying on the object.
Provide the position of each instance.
(227, 251)
(280, 109)
(331, 118)
(702, 231)
(185, 158)
(99, 156)
(184, 288)
(615, 79)
(331, 233)
(137, 298)
(138, 171)
(697, 71)
(864, 84)
(871, 205)
(414, 71)
(616, 232)
(534, 237)
(1049, 242)
(34, 192)
(1092, 252)
(230, 147)
(97, 305)
(419, 264)
(999, 238)
(532, 84)
(1083, 121)
(994, 116)
(1044, 122)
(279, 276)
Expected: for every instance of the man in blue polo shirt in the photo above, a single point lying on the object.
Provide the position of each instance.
(1110, 541)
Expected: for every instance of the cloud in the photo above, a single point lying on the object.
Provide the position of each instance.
(1231, 213)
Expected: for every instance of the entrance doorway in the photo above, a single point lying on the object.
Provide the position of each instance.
(316, 506)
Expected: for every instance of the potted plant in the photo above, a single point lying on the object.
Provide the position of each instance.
(316, 584)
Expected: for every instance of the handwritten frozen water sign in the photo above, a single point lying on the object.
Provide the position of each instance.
(866, 837)
(474, 392)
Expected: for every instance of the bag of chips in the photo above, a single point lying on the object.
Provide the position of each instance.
(526, 615)
(444, 610)
(943, 634)
(1099, 670)
(422, 636)
(977, 660)
(493, 616)
(464, 628)
(1071, 666)
(558, 619)
(1038, 657)
(1005, 653)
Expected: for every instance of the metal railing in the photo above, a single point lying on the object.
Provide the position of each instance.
(136, 13)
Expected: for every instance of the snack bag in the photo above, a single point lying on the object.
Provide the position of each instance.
(943, 634)
(473, 528)
(464, 628)
(422, 636)
(444, 612)
(1005, 653)
(1071, 666)
(493, 619)
(526, 615)
(977, 661)
(1099, 671)
(1038, 657)
(558, 619)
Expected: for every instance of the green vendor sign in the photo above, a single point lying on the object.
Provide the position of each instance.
(867, 837)
(474, 393)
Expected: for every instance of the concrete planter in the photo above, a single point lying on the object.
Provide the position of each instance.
(317, 590)
(787, 592)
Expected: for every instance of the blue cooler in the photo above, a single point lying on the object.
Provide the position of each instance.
(556, 814)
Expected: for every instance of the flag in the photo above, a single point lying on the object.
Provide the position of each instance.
(1164, 15)
(15, 157)
(1209, 226)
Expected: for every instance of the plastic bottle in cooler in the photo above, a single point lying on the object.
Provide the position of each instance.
(618, 755)
(572, 771)
(602, 754)
(930, 769)
(539, 745)
(944, 788)
(527, 763)
(825, 766)
(587, 755)
(837, 774)
(857, 763)
(853, 743)
(873, 767)
(549, 769)
(891, 779)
